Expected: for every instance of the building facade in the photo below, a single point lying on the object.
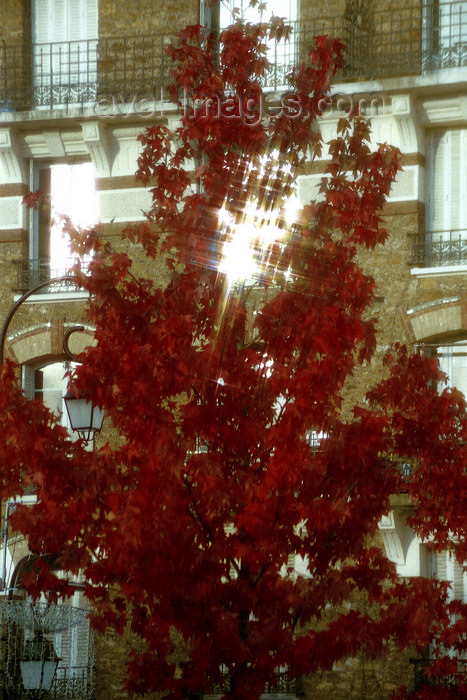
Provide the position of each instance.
(80, 79)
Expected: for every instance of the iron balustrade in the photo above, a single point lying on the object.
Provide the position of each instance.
(72, 683)
(64, 625)
(30, 273)
(444, 35)
(421, 679)
(59, 74)
(380, 43)
(439, 248)
(64, 72)
(284, 684)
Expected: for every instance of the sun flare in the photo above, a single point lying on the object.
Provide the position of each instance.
(255, 231)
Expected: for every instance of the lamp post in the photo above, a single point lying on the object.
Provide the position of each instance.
(20, 302)
(39, 663)
(85, 418)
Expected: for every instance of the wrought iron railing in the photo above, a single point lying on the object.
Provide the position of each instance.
(72, 683)
(380, 43)
(64, 624)
(30, 273)
(59, 74)
(64, 72)
(444, 35)
(284, 684)
(439, 248)
(422, 679)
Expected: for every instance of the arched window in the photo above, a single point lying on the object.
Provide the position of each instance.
(49, 384)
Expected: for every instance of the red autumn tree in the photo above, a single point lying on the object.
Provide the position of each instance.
(237, 453)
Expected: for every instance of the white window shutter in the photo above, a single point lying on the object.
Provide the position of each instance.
(453, 166)
(463, 174)
(441, 566)
(28, 382)
(64, 20)
(91, 19)
(42, 21)
(75, 23)
(458, 583)
(48, 27)
(58, 26)
(82, 19)
(447, 197)
(436, 188)
(83, 635)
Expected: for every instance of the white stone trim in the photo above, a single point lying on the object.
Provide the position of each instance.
(447, 271)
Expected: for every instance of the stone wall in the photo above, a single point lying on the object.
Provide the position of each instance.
(15, 20)
(119, 17)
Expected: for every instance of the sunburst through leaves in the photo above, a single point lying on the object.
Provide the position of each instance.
(257, 218)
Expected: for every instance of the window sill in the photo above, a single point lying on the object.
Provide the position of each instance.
(47, 297)
(442, 271)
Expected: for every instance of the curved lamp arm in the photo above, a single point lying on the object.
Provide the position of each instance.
(85, 418)
(66, 350)
(15, 307)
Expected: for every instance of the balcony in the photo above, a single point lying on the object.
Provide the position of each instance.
(423, 678)
(72, 683)
(82, 72)
(439, 248)
(285, 686)
(30, 273)
(407, 41)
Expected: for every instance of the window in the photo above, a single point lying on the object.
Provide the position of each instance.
(281, 53)
(445, 34)
(447, 568)
(48, 384)
(73, 645)
(72, 193)
(280, 8)
(453, 361)
(446, 237)
(64, 38)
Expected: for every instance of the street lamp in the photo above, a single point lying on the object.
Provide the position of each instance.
(85, 418)
(38, 665)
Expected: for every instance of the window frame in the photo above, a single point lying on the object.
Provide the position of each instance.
(41, 264)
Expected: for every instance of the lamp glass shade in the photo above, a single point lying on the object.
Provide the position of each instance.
(38, 675)
(85, 418)
(39, 663)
